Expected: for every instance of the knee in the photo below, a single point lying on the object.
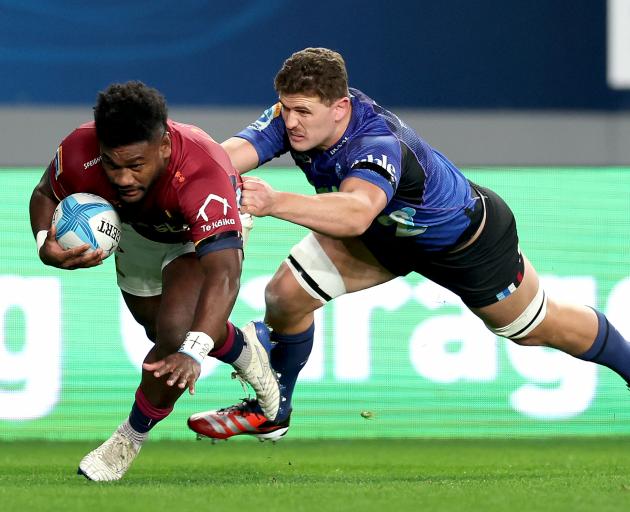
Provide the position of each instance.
(151, 332)
(168, 340)
(280, 296)
(284, 297)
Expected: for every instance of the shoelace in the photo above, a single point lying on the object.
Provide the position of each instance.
(246, 405)
(236, 375)
(119, 455)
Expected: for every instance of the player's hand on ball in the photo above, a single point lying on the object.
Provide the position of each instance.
(184, 370)
(257, 197)
(51, 253)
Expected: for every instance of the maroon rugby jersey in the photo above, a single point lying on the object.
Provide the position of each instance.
(194, 199)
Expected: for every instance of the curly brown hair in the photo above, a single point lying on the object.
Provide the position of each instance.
(314, 71)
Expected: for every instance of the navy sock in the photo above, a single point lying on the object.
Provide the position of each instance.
(233, 346)
(139, 421)
(144, 416)
(609, 348)
(289, 355)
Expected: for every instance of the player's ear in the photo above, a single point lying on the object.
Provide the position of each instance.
(341, 108)
(165, 145)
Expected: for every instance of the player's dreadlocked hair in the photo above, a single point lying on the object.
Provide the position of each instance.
(129, 113)
(314, 71)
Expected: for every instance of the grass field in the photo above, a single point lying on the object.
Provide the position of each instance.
(577, 474)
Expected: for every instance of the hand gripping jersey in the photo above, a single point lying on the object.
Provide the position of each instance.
(195, 198)
(430, 203)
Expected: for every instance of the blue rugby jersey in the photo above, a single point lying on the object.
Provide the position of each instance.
(428, 199)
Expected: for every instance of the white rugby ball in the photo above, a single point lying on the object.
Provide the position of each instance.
(83, 218)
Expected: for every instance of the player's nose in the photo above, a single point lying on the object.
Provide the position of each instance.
(291, 120)
(122, 178)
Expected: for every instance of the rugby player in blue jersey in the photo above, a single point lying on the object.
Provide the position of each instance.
(387, 204)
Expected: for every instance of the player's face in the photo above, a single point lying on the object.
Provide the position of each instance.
(132, 169)
(310, 123)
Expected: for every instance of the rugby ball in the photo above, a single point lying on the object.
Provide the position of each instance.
(83, 218)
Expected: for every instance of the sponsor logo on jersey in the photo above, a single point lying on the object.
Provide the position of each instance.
(217, 224)
(403, 219)
(165, 227)
(91, 163)
(339, 145)
(209, 199)
(267, 116)
(169, 228)
(381, 162)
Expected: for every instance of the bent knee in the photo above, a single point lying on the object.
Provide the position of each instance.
(151, 333)
(284, 296)
(168, 340)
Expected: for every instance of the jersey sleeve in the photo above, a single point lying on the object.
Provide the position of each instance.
(76, 165)
(55, 178)
(377, 160)
(208, 201)
(267, 134)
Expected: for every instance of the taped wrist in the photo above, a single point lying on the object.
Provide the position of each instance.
(40, 238)
(197, 345)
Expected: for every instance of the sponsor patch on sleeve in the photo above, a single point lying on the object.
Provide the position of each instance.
(58, 163)
(267, 116)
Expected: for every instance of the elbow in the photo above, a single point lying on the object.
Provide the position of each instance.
(357, 227)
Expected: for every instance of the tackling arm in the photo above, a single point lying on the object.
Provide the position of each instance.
(343, 214)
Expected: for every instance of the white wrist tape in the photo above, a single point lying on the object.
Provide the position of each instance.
(247, 222)
(40, 238)
(197, 345)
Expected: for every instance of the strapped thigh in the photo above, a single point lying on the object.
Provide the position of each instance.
(314, 270)
(528, 320)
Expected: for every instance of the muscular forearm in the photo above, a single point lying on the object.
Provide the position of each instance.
(336, 214)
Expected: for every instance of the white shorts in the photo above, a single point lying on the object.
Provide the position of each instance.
(140, 261)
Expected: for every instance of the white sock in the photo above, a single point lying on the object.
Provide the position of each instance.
(242, 361)
(130, 433)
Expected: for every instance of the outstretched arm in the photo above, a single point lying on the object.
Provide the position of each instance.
(343, 214)
(222, 270)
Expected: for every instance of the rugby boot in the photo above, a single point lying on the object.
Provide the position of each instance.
(245, 417)
(254, 367)
(111, 460)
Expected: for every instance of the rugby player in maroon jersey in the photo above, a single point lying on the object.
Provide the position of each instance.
(179, 261)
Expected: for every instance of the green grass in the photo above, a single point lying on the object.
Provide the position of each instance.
(577, 474)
